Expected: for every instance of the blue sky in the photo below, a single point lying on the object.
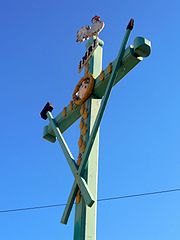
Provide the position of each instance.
(140, 131)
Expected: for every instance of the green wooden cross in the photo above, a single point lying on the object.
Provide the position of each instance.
(91, 111)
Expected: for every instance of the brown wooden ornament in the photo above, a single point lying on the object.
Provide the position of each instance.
(78, 197)
(110, 68)
(79, 159)
(80, 141)
(71, 105)
(83, 89)
(81, 123)
(85, 114)
(84, 130)
(83, 147)
(82, 109)
(64, 112)
(101, 76)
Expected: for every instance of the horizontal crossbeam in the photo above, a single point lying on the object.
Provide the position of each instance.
(132, 56)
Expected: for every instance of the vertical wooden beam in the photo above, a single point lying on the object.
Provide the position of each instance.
(85, 217)
(92, 177)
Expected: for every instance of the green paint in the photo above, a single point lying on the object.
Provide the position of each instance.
(70, 203)
(62, 143)
(130, 59)
(79, 180)
(104, 103)
(86, 175)
(85, 217)
(92, 178)
(97, 120)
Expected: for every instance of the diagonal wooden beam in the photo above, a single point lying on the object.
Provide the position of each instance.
(132, 56)
(70, 203)
(63, 144)
(88, 198)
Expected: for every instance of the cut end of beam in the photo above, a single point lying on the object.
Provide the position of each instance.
(130, 24)
(47, 136)
(142, 47)
(47, 108)
(63, 221)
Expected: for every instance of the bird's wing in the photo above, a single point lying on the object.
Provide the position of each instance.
(97, 27)
(82, 33)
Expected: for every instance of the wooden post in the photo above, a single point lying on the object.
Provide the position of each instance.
(85, 217)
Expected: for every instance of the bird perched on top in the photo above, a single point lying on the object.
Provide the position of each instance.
(87, 32)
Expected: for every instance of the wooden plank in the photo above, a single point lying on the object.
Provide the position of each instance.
(85, 217)
(92, 177)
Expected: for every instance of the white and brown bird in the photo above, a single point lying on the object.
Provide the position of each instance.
(87, 32)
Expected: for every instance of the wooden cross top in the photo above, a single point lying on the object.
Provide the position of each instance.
(86, 103)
